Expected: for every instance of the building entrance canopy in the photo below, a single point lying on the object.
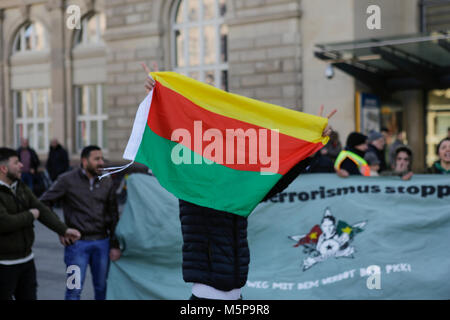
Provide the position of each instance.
(419, 61)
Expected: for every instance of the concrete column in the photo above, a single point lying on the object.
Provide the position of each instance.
(70, 111)
(132, 36)
(8, 117)
(320, 26)
(413, 107)
(57, 62)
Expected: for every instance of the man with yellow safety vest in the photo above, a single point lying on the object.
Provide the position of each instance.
(350, 161)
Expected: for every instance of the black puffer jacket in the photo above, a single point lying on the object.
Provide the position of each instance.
(215, 247)
(58, 162)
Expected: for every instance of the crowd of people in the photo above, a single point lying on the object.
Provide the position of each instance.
(369, 155)
(57, 163)
(91, 213)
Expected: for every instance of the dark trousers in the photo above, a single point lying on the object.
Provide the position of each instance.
(18, 281)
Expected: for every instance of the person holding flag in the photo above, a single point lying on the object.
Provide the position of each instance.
(216, 255)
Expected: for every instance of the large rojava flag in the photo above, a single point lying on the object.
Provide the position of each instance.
(217, 149)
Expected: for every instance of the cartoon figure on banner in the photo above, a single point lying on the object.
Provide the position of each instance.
(330, 239)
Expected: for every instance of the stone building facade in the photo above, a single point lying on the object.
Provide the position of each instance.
(83, 85)
(263, 49)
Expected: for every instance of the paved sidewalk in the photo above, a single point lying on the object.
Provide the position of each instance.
(50, 267)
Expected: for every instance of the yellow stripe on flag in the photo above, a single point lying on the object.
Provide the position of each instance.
(290, 122)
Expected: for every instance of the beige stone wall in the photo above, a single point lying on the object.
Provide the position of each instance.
(265, 51)
(56, 20)
(133, 36)
(325, 22)
(264, 54)
(397, 17)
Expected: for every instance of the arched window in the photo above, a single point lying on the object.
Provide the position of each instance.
(91, 31)
(30, 37)
(91, 115)
(199, 41)
(32, 117)
(32, 106)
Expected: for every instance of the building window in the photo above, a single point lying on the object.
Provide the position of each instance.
(30, 37)
(199, 41)
(91, 116)
(435, 15)
(32, 110)
(91, 31)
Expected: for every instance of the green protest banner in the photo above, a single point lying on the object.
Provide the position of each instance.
(324, 237)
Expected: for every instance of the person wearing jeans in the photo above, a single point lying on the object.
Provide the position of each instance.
(83, 253)
(89, 204)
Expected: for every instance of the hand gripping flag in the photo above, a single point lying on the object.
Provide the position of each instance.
(217, 149)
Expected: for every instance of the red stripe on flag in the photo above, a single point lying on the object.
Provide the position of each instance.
(171, 111)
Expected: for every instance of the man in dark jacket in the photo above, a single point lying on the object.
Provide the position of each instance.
(216, 255)
(19, 208)
(58, 160)
(90, 205)
(30, 162)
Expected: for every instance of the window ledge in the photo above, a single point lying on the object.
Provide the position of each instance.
(32, 57)
(89, 51)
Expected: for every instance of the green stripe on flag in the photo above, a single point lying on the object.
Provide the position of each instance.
(208, 185)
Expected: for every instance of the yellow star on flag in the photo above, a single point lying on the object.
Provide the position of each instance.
(313, 235)
(347, 230)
